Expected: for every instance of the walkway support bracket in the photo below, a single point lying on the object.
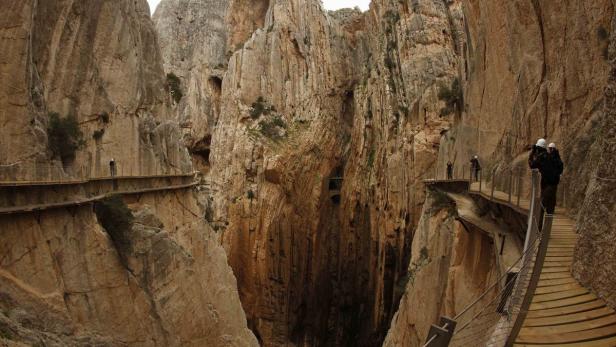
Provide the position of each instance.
(440, 335)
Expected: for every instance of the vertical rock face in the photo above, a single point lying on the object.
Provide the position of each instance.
(64, 281)
(98, 62)
(540, 69)
(193, 39)
(168, 285)
(595, 256)
(328, 123)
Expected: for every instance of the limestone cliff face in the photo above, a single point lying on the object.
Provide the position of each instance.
(63, 280)
(97, 61)
(327, 123)
(193, 40)
(540, 69)
(595, 256)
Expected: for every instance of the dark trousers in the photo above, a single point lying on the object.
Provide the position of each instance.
(475, 173)
(449, 174)
(548, 201)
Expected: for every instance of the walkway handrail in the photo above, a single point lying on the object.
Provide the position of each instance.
(498, 318)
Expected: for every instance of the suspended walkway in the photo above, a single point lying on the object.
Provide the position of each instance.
(18, 197)
(537, 302)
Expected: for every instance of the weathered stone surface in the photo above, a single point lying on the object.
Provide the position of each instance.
(595, 255)
(63, 282)
(85, 59)
(308, 96)
(70, 284)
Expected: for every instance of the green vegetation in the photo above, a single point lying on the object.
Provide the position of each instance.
(117, 220)
(173, 86)
(5, 332)
(64, 137)
(98, 134)
(392, 16)
(251, 194)
(271, 128)
(452, 96)
(260, 107)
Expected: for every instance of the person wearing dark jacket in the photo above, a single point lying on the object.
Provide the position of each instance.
(475, 168)
(449, 170)
(550, 166)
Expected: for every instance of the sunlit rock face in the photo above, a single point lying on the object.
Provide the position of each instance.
(59, 57)
(535, 69)
(328, 122)
(63, 280)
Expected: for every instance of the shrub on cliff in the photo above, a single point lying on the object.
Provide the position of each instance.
(64, 137)
(173, 87)
(117, 220)
(452, 96)
(272, 128)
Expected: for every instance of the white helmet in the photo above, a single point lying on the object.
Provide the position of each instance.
(541, 143)
(552, 145)
(476, 157)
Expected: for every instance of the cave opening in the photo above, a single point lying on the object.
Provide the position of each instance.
(201, 150)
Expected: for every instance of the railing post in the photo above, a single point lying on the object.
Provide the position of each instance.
(534, 279)
(478, 173)
(440, 335)
(510, 184)
(519, 188)
(493, 184)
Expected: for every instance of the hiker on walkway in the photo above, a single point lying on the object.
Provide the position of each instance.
(475, 168)
(449, 170)
(112, 167)
(551, 167)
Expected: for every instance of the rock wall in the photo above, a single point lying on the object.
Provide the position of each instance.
(327, 123)
(595, 256)
(193, 39)
(64, 281)
(456, 257)
(99, 62)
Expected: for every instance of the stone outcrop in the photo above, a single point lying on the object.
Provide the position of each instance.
(308, 96)
(595, 255)
(65, 280)
(170, 284)
(193, 39)
(98, 62)
(540, 69)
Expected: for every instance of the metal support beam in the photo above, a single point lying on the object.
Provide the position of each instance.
(440, 335)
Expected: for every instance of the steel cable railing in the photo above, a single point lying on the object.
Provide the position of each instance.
(496, 316)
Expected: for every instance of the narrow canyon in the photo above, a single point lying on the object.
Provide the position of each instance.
(254, 173)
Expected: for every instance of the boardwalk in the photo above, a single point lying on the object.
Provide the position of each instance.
(562, 312)
(76, 194)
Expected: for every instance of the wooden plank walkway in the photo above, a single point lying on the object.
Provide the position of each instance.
(562, 312)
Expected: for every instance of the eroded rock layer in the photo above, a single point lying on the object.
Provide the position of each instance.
(328, 122)
(65, 279)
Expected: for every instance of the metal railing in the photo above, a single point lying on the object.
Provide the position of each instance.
(496, 316)
(55, 173)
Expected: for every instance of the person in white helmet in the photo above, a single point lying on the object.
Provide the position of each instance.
(551, 167)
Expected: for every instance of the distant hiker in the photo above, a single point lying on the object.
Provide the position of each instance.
(449, 170)
(475, 168)
(112, 167)
(551, 167)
